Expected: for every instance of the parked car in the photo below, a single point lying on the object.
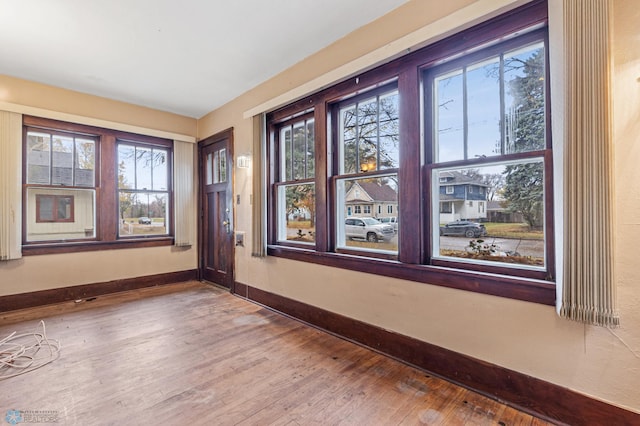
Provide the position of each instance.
(391, 220)
(144, 220)
(464, 228)
(367, 228)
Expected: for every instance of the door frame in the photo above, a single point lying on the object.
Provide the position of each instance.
(218, 137)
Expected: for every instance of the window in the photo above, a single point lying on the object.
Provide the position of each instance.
(59, 181)
(440, 132)
(296, 189)
(70, 187)
(143, 190)
(495, 100)
(54, 208)
(368, 144)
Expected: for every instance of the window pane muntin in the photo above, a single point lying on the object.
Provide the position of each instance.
(449, 117)
(518, 63)
(369, 135)
(470, 144)
(38, 158)
(126, 166)
(507, 242)
(297, 151)
(144, 160)
(483, 108)
(85, 161)
(62, 153)
(296, 213)
(160, 169)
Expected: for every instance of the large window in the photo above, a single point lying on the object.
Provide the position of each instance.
(85, 187)
(296, 203)
(60, 185)
(368, 160)
(487, 136)
(435, 167)
(143, 189)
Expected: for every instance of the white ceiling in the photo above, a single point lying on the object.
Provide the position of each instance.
(183, 56)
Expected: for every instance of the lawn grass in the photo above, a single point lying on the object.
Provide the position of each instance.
(513, 230)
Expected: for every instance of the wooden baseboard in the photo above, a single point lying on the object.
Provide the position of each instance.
(529, 394)
(13, 302)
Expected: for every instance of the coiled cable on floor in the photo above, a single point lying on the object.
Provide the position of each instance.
(21, 353)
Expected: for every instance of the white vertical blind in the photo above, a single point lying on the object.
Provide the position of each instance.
(10, 185)
(258, 210)
(588, 293)
(184, 194)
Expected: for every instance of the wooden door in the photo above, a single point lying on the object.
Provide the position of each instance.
(216, 203)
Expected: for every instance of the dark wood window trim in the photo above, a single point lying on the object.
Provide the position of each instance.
(107, 217)
(413, 261)
(55, 201)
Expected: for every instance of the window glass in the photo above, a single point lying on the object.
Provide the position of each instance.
(511, 230)
(296, 193)
(296, 213)
(369, 134)
(361, 231)
(57, 164)
(143, 197)
(62, 160)
(85, 162)
(59, 214)
(524, 75)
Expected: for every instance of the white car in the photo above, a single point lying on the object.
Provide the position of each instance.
(367, 228)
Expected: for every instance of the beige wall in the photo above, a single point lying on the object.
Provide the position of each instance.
(61, 101)
(33, 273)
(526, 337)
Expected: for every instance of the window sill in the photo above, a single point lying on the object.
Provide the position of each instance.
(530, 290)
(82, 246)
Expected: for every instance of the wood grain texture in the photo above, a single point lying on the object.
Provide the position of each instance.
(527, 393)
(194, 354)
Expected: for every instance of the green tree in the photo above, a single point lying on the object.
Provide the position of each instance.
(525, 131)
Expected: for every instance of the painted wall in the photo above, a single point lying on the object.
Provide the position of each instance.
(526, 337)
(33, 273)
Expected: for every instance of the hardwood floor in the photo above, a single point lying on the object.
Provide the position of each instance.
(192, 354)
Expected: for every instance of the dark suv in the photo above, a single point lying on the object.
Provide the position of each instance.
(464, 228)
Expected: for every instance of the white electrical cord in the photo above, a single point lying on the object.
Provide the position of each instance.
(20, 353)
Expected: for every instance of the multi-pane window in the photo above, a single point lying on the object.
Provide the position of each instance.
(457, 134)
(84, 186)
(296, 201)
(489, 119)
(60, 185)
(368, 161)
(143, 189)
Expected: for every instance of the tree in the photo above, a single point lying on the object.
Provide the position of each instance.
(126, 198)
(525, 131)
(371, 134)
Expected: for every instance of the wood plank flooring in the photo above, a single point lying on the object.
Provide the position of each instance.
(192, 354)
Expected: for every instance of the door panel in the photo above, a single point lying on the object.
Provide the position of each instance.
(216, 227)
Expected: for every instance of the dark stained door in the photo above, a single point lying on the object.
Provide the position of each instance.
(216, 201)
